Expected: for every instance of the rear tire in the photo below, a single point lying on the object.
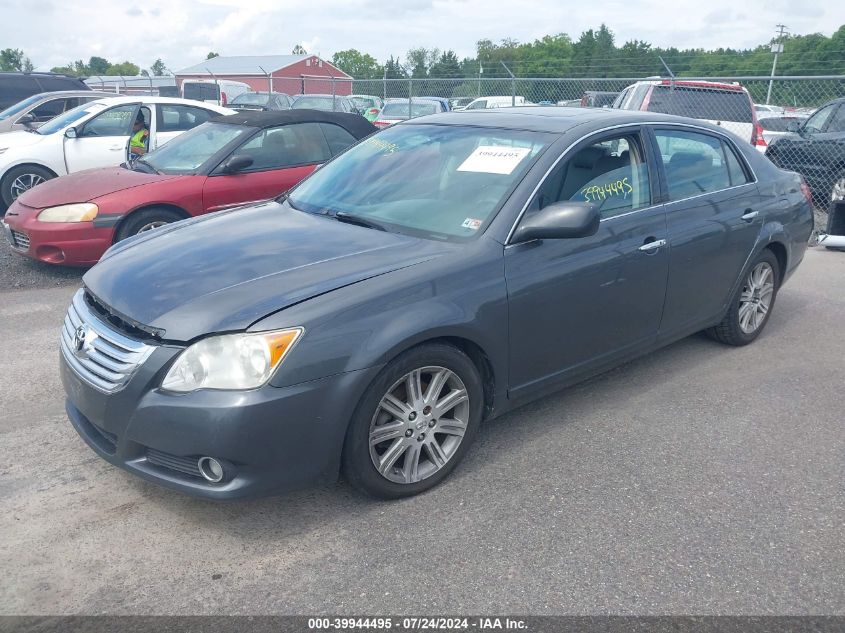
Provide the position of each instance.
(752, 303)
(400, 442)
(146, 220)
(20, 179)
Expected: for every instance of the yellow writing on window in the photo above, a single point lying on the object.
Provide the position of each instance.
(614, 188)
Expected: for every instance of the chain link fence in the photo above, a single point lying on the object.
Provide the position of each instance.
(784, 116)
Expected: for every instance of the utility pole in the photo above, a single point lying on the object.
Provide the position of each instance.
(777, 48)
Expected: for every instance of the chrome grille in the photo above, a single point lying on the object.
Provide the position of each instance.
(101, 356)
(20, 240)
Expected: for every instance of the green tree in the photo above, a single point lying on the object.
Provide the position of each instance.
(357, 64)
(212, 55)
(446, 66)
(299, 49)
(98, 66)
(158, 68)
(420, 60)
(11, 59)
(125, 68)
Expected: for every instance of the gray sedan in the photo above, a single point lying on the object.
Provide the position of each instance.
(36, 110)
(443, 271)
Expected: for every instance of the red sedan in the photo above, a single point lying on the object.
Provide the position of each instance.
(225, 162)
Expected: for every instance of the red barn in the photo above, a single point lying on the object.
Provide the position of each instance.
(292, 74)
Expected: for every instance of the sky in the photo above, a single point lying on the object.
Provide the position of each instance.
(182, 32)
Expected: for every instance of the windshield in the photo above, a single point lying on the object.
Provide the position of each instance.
(20, 106)
(361, 103)
(187, 152)
(63, 120)
(439, 182)
(251, 98)
(314, 102)
(400, 110)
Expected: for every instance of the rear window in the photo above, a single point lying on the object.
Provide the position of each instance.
(201, 91)
(315, 103)
(776, 124)
(251, 98)
(702, 103)
(400, 110)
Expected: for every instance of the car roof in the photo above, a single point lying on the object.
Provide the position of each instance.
(319, 94)
(552, 119)
(148, 99)
(355, 124)
(71, 93)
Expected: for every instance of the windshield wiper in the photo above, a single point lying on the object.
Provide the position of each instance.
(351, 218)
(141, 161)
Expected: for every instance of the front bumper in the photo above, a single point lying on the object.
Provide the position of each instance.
(70, 244)
(268, 440)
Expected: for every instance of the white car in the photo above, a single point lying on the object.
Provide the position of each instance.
(484, 103)
(95, 134)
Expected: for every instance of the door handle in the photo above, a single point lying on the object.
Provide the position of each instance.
(653, 245)
(750, 215)
(116, 148)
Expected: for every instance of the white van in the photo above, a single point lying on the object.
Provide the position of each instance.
(483, 103)
(217, 91)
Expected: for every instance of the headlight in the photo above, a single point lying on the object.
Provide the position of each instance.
(81, 212)
(230, 361)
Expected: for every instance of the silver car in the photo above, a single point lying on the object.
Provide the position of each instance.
(40, 108)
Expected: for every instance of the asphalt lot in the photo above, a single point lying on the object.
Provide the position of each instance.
(698, 480)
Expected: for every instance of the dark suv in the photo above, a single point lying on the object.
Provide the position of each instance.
(816, 150)
(15, 87)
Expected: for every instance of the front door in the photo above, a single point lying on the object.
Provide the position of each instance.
(102, 141)
(281, 157)
(714, 217)
(578, 304)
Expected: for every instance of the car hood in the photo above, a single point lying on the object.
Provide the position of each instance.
(225, 271)
(84, 186)
(20, 138)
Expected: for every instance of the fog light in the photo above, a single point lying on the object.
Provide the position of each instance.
(210, 468)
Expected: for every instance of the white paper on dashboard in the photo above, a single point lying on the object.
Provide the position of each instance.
(492, 159)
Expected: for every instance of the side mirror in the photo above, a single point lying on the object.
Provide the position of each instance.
(560, 220)
(27, 119)
(793, 126)
(70, 132)
(237, 163)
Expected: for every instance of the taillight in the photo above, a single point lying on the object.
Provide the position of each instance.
(757, 139)
(223, 98)
(805, 189)
(373, 111)
(381, 123)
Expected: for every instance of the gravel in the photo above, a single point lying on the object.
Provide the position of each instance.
(18, 272)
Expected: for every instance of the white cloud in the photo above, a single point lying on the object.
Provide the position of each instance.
(181, 32)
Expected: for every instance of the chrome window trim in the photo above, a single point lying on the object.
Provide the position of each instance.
(669, 124)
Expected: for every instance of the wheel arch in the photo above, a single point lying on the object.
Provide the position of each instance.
(147, 207)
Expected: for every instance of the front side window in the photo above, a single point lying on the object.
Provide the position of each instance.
(113, 122)
(817, 122)
(438, 182)
(611, 173)
(694, 163)
(286, 146)
(837, 121)
(186, 153)
(69, 117)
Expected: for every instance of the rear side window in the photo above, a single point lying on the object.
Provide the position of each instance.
(15, 88)
(286, 146)
(337, 138)
(178, 118)
(694, 163)
(736, 172)
(837, 121)
(702, 103)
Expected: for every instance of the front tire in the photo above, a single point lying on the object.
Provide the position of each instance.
(414, 423)
(20, 179)
(146, 220)
(752, 304)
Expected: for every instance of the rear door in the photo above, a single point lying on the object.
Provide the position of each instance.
(713, 219)
(577, 304)
(282, 156)
(173, 119)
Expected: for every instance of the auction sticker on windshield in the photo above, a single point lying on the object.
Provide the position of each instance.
(489, 159)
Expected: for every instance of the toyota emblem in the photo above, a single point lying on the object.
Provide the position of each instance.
(79, 338)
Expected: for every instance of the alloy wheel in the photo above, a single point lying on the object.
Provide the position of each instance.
(756, 297)
(837, 193)
(419, 424)
(23, 183)
(149, 226)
